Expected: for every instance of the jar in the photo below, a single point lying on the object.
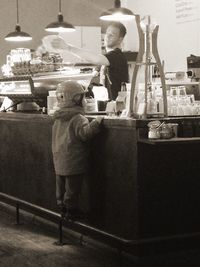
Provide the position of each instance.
(154, 131)
(166, 132)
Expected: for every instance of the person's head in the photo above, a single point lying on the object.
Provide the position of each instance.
(70, 94)
(114, 35)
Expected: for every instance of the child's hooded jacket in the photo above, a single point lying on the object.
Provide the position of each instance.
(70, 134)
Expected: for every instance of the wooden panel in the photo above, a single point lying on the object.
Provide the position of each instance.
(26, 169)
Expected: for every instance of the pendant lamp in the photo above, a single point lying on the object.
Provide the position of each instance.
(60, 25)
(18, 35)
(117, 13)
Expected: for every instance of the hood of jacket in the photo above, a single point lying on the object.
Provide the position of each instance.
(67, 113)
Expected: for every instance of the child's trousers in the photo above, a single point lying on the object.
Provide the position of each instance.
(68, 190)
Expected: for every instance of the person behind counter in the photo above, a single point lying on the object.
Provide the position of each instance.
(70, 135)
(114, 68)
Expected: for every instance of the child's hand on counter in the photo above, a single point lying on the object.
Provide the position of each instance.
(99, 119)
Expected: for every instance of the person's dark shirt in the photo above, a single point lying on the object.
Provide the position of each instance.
(117, 72)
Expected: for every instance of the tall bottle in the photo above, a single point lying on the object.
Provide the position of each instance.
(121, 99)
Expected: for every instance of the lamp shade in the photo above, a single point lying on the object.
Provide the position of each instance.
(60, 25)
(117, 13)
(18, 35)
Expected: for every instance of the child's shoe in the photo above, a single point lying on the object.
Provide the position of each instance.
(62, 210)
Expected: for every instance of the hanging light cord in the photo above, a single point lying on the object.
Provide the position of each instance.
(17, 13)
(60, 7)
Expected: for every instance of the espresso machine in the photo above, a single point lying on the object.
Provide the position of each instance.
(30, 92)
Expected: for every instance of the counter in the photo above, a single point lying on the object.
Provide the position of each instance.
(137, 189)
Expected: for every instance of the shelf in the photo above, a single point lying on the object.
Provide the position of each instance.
(175, 140)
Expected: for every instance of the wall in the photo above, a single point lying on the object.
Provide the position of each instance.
(35, 15)
(176, 39)
(179, 24)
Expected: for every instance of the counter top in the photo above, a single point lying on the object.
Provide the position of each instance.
(108, 120)
(143, 122)
(16, 116)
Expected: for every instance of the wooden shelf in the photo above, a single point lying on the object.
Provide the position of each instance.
(175, 140)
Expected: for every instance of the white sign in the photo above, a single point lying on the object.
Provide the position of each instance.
(187, 11)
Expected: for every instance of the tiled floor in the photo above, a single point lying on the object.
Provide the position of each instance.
(31, 244)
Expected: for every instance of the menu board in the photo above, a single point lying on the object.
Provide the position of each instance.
(187, 11)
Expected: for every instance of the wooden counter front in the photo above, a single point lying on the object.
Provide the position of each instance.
(136, 189)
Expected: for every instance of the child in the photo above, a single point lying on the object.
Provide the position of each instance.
(70, 133)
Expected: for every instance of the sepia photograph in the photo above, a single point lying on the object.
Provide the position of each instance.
(100, 133)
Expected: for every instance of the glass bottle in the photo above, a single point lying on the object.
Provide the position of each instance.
(121, 99)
